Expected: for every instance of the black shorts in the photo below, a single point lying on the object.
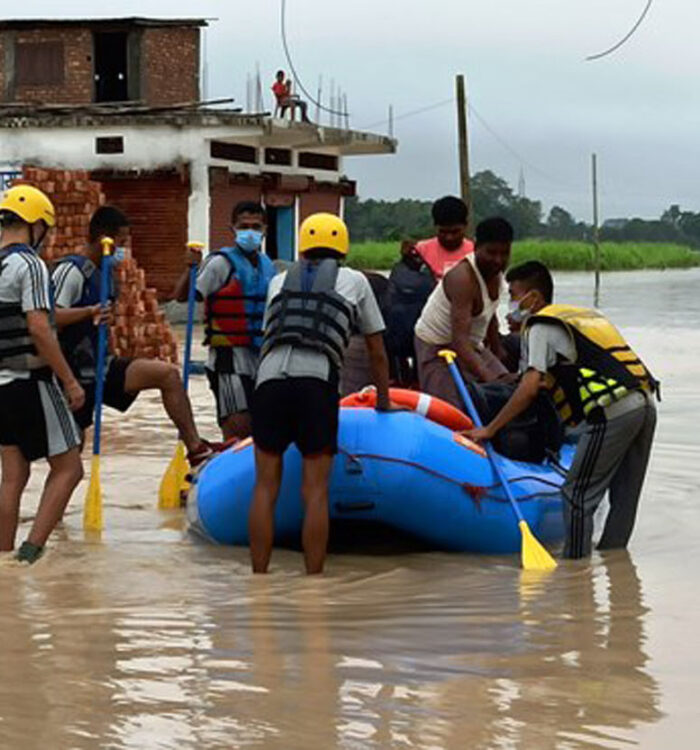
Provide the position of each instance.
(115, 395)
(233, 393)
(34, 416)
(303, 411)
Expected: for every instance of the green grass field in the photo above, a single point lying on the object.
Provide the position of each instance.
(558, 256)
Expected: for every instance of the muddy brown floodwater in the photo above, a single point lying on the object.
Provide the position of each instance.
(148, 639)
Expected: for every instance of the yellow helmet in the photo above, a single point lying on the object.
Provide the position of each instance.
(324, 231)
(29, 204)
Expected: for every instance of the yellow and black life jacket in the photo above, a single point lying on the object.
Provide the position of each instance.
(605, 369)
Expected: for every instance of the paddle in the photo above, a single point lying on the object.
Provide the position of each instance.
(174, 479)
(92, 512)
(533, 555)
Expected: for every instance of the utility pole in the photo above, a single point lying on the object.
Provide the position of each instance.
(596, 237)
(391, 120)
(463, 144)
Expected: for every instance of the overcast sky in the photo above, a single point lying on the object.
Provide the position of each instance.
(524, 61)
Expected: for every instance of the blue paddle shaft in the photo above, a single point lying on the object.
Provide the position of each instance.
(191, 299)
(105, 271)
(474, 414)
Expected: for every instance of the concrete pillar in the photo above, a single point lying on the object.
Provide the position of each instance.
(198, 206)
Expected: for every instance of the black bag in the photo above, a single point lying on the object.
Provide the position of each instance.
(531, 435)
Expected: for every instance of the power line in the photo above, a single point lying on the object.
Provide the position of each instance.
(411, 113)
(283, 26)
(625, 38)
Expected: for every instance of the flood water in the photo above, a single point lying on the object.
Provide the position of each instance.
(147, 639)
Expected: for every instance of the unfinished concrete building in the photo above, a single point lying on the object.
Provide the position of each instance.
(120, 99)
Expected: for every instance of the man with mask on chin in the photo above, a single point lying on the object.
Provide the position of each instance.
(599, 386)
(233, 284)
(76, 281)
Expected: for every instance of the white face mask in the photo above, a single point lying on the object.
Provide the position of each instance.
(516, 312)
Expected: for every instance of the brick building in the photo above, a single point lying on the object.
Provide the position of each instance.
(120, 99)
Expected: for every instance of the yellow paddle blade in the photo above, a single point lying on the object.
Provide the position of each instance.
(92, 511)
(534, 555)
(174, 481)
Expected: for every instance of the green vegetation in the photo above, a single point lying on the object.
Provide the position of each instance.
(559, 256)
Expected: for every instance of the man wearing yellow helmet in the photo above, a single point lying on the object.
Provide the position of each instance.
(35, 419)
(311, 311)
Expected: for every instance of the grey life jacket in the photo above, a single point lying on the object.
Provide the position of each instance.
(312, 316)
(17, 350)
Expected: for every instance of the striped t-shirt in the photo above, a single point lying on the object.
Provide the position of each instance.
(24, 279)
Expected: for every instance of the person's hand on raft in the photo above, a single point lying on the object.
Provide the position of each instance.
(388, 406)
(479, 434)
(101, 314)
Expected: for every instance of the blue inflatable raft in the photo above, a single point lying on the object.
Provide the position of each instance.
(401, 470)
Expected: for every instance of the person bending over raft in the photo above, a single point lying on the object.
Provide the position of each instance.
(312, 309)
(450, 245)
(461, 314)
(76, 280)
(35, 420)
(596, 381)
(233, 283)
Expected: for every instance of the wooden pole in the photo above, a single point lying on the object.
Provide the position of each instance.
(596, 237)
(463, 145)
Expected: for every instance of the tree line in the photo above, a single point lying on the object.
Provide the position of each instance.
(379, 220)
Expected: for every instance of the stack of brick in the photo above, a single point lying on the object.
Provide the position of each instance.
(140, 328)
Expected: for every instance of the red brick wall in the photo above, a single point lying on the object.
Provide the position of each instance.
(311, 203)
(77, 87)
(224, 195)
(157, 209)
(170, 65)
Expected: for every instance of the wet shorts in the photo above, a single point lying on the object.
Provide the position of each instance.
(303, 411)
(232, 393)
(115, 396)
(35, 417)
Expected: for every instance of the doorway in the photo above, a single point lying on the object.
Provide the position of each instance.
(111, 64)
(279, 244)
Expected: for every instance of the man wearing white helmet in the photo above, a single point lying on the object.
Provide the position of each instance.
(35, 413)
(311, 311)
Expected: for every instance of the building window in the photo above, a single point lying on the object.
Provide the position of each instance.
(310, 160)
(39, 64)
(234, 152)
(279, 156)
(113, 144)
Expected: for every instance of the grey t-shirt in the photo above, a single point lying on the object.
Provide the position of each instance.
(213, 274)
(24, 280)
(544, 345)
(287, 361)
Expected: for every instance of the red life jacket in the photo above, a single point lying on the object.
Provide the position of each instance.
(234, 314)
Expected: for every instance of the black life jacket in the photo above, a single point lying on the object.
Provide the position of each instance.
(17, 349)
(407, 294)
(317, 318)
(79, 341)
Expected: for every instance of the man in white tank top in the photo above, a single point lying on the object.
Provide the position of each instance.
(461, 314)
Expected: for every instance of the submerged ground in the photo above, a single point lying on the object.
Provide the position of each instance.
(145, 639)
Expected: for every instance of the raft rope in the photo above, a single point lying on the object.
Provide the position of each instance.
(476, 492)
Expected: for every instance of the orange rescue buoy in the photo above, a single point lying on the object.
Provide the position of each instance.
(431, 407)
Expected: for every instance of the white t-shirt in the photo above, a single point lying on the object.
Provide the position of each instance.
(544, 345)
(24, 279)
(287, 361)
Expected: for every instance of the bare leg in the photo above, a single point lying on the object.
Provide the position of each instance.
(64, 476)
(147, 374)
(261, 521)
(237, 425)
(314, 490)
(15, 475)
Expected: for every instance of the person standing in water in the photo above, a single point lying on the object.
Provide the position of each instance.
(312, 309)
(233, 283)
(35, 412)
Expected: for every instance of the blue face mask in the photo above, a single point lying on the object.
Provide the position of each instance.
(517, 313)
(249, 240)
(119, 254)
